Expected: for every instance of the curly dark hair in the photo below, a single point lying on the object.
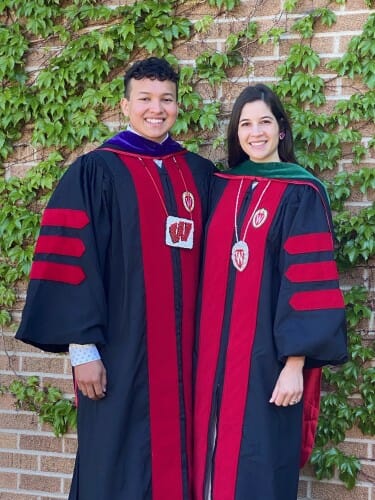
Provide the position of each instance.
(153, 68)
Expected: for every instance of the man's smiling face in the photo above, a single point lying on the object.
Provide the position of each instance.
(151, 107)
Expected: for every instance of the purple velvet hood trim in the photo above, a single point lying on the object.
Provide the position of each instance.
(134, 143)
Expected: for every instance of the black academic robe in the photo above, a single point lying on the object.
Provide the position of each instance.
(103, 274)
(285, 302)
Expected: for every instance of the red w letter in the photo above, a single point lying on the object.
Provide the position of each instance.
(179, 231)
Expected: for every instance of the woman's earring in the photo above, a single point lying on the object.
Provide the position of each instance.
(282, 136)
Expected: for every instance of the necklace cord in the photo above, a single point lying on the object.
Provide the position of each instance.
(158, 190)
(252, 214)
(184, 183)
(155, 185)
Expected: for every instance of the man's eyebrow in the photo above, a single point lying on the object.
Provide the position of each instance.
(148, 93)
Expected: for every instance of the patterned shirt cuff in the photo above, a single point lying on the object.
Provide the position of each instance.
(83, 353)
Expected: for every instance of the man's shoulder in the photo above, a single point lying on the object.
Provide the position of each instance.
(195, 159)
(95, 163)
(97, 158)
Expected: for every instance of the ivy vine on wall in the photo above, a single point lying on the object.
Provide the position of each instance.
(58, 107)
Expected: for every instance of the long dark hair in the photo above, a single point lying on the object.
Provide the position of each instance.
(259, 92)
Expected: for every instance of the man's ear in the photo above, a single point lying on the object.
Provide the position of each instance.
(124, 105)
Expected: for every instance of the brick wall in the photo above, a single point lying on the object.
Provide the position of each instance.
(36, 465)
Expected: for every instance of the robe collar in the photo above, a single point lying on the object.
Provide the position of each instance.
(129, 141)
(272, 170)
(276, 170)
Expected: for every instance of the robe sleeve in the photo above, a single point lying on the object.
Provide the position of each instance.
(66, 301)
(310, 312)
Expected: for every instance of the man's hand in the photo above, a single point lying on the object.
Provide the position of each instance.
(91, 379)
(288, 389)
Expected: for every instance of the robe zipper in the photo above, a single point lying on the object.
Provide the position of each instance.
(213, 424)
(212, 447)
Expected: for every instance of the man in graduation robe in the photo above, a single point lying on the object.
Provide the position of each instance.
(114, 280)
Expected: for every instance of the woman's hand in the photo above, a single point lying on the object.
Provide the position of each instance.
(288, 389)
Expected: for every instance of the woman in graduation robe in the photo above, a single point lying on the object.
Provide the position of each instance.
(271, 312)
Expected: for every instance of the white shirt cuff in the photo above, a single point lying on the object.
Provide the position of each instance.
(83, 353)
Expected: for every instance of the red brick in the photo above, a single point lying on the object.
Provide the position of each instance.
(302, 488)
(358, 448)
(259, 49)
(40, 483)
(191, 50)
(69, 445)
(355, 5)
(353, 85)
(232, 91)
(344, 41)
(65, 385)
(56, 464)
(308, 471)
(66, 485)
(43, 364)
(356, 433)
(11, 460)
(367, 473)
(346, 22)
(348, 280)
(18, 420)
(8, 440)
(323, 44)
(8, 480)
(329, 491)
(7, 401)
(9, 362)
(18, 496)
(265, 7)
(199, 8)
(304, 6)
(13, 345)
(40, 443)
(221, 30)
(265, 69)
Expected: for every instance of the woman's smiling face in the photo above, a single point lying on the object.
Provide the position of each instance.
(258, 132)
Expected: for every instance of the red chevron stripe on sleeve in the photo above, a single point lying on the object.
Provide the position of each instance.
(317, 300)
(306, 243)
(65, 217)
(53, 271)
(60, 245)
(312, 271)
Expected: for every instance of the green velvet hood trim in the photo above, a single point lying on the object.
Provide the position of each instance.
(274, 170)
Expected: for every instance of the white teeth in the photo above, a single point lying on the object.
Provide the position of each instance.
(154, 120)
